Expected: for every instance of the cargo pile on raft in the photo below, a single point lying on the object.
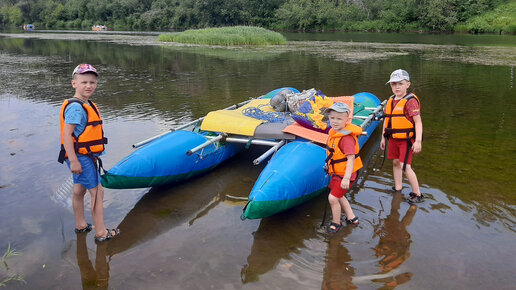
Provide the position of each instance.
(290, 122)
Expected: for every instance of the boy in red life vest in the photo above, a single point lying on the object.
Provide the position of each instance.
(82, 141)
(342, 163)
(403, 129)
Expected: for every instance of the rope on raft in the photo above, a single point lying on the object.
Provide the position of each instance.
(271, 117)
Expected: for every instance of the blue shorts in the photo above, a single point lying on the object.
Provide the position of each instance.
(90, 176)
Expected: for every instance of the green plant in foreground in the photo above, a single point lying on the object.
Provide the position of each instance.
(13, 277)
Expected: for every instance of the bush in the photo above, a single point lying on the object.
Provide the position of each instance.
(500, 20)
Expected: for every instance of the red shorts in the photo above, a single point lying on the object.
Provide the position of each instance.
(335, 188)
(397, 149)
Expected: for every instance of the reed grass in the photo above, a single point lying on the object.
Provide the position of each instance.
(227, 36)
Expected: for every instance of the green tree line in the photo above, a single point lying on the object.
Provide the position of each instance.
(303, 15)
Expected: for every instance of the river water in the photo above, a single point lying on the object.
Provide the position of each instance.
(190, 236)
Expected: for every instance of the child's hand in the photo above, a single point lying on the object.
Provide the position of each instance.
(382, 143)
(416, 147)
(75, 167)
(344, 183)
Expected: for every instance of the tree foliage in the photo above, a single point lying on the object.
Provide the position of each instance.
(387, 15)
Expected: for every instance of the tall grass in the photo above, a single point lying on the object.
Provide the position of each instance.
(500, 20)
(227, 36)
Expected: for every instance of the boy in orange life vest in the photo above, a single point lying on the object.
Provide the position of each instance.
(82, 141)
(342, 163)
(404, 129)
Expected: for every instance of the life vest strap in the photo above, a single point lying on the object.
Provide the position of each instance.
(338, 160)
(94, 123)
(393, 115)
(62, 153)
(389, 132)
(91, 143)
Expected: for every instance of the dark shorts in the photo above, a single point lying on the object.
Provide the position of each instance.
(335, 188)
(90, 176)
(397, 149)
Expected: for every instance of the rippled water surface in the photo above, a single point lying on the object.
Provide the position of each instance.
(190, 236)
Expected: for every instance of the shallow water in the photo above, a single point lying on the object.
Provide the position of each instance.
(190, 236)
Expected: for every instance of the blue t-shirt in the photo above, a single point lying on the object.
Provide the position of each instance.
(76, 115)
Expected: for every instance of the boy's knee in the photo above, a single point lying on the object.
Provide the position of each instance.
(408, 169)
(396, 163)
(79, 190)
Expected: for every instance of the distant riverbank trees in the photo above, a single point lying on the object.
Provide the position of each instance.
(304, 15)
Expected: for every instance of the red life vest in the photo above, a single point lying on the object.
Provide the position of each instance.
(92, 139)
(336, 160)
(396, 123)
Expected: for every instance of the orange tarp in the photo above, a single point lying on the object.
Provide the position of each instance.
(313, 135)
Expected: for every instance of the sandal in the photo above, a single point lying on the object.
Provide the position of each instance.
(353, 221)
(335, 229)
(413, 198)
(396, 190)
(87, 229)
(108, 236)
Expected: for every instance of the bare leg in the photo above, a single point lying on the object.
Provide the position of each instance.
(78, 206)
(97, 210)
(397, 167)
(347, 208)
(335, 208)
(412, 179)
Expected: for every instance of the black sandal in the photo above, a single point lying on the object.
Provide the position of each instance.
(87, 229)
(335, 229)
(108, 236)
(353, 221)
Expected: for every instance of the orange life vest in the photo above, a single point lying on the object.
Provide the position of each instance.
(336, 160)
(92, 139)
(396, 123)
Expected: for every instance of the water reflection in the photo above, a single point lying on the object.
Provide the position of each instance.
(92, 277)
(162, 209)
(394, 245)
(275, 239)
(338, 273)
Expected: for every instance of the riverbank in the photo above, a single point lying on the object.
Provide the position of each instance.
(287, 15)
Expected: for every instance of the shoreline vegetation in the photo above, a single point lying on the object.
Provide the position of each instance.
(226, 36)
(442, 16)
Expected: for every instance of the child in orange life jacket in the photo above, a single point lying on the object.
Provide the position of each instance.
(82, 141)
(404, 129)
(342, 163)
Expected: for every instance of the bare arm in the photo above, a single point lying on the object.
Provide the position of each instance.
(418, 125)
(75, 166)
(382, 143)
(349, 170)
